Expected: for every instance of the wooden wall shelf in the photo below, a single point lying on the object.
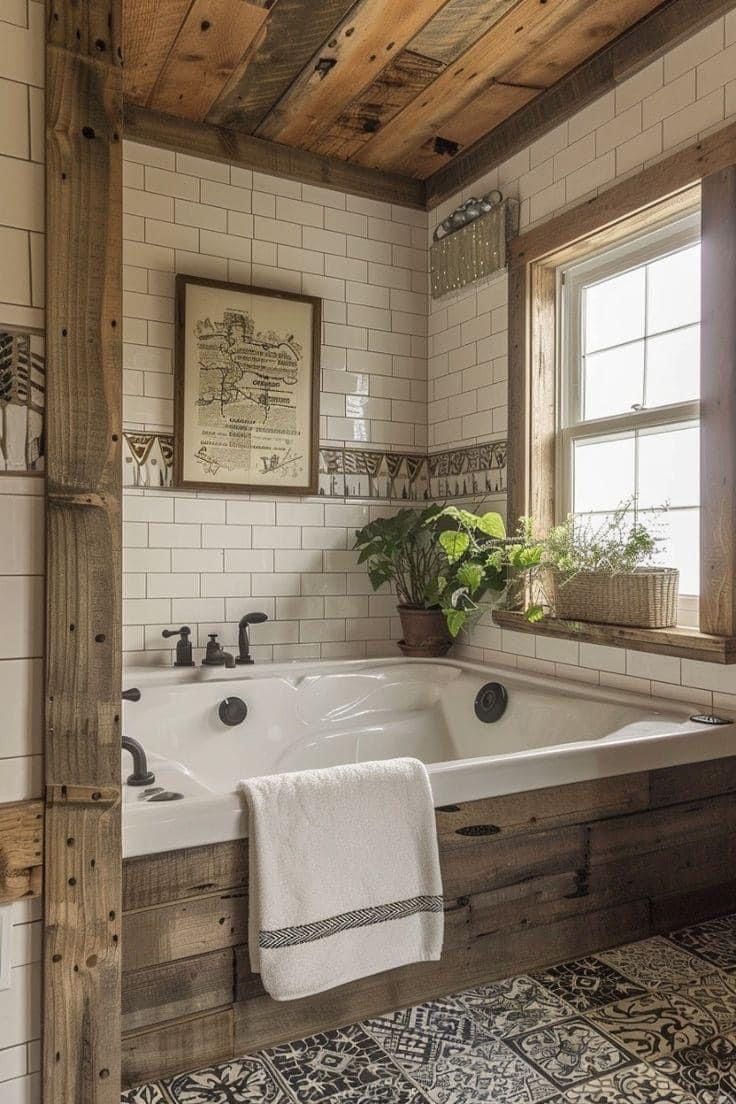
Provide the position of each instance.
(678, 641)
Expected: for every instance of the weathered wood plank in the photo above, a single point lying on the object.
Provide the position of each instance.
(81, 1009)
(668, 25)
(495, 52)
(219, 144)
(677, 641)
(179, 875)
(180, 1045)
(672, 785)
(457, 26)
(21, 850)
(718, 404)
(172, 990)
(692, 906)
(212, 44)
(367, 40)
(294, 31)
(151, 27)
(183, 929)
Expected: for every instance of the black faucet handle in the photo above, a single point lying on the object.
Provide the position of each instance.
(133, 694)
(183, 632)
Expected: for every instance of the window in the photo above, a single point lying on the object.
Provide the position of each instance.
(628, 418)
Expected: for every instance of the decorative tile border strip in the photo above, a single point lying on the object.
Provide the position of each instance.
(22, 395)
(475, 471)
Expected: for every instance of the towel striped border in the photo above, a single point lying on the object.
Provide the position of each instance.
(344, 921)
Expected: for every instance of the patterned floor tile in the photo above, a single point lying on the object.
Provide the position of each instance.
(655, 963)
(429, 1032)
(492, 1072)
(716, 993)
(639, 1084)
(237, 1082)
(146, 1094)
(514, 1005)
(569, 1052)
(587, 983)
(707, 1072)
(336, 1064)
(715, 941)
(655, 1024)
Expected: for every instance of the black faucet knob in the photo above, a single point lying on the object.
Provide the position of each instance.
(133, 694)
(183, 645)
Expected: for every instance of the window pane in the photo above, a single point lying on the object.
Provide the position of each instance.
(674, 290)
(669, 468)
(614, 311)
(613, 381)
(673, 367)
(680, 547)
(603, 473)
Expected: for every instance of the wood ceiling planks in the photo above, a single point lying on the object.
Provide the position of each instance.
(212, 44)
(366, 41)
(400, 88)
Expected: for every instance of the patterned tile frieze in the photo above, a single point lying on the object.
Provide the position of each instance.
(22, 393)
(345, 473)
(653, 1022)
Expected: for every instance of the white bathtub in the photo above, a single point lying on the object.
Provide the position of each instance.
(316, 714)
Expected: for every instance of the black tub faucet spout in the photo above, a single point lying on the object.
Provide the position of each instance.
(244, 655)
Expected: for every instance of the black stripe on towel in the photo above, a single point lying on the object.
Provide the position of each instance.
(344, 921)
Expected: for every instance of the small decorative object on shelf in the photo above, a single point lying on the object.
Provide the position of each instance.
(471, 242)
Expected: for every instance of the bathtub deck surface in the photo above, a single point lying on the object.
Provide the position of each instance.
(651, 1022)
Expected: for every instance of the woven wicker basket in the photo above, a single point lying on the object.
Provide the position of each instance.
(646, 598)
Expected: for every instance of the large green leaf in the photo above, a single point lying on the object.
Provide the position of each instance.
(455, 620)
(492, 524)
(454, 544)
(470, 575)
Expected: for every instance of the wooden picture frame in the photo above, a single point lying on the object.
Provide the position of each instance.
(246, 388)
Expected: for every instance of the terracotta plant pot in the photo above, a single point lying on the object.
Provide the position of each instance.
(425, 632)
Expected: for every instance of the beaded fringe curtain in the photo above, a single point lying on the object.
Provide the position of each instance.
(474, 251)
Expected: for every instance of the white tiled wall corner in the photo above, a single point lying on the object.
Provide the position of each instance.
(22, 28)
(207, 559)
(670, 103)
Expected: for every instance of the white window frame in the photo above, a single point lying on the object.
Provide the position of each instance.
(633, 252)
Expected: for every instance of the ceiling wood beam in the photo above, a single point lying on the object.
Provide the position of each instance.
(615, 63)
(222, 144)
(367, 40)
(525, 28)
(211, 45)
(293, 32)
(151, 27)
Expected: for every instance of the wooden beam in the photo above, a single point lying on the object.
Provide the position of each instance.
(21, 850)
(294, 31)
(369, 37)
(151, 27)
(649, 39)
(718, 404)
(212, 44)
(82, 884)
(220, 144)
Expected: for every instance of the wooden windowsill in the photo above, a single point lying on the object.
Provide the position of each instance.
(684, 642)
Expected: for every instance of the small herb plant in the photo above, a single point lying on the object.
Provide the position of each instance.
(403, 550)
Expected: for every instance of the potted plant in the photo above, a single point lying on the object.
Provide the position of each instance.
(473, 562)
(403, 550)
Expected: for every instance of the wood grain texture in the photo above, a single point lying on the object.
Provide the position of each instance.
(213, 43)
(82, 902)
(367, 40)
(718, 404)
(668, 25)
(293, 32)
(150, 30)
(521, 31)
(220, 144)
(683, 642)
(21, 850)
(457, 25)
(184, 928)
(556, 873)
(180, 875)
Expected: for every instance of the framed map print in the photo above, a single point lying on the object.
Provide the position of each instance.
(246, 390)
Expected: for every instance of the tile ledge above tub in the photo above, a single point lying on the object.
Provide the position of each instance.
(685, 642)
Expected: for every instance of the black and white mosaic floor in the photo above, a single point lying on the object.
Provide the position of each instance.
(649, 1023)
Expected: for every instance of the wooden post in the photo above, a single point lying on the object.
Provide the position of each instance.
(82, 891)
(718, 397)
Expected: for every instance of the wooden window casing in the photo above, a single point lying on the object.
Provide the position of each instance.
(638, 203)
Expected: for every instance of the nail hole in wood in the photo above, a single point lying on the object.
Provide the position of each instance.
(70, 841)
(115, 939)
(114, 436)
(56, 958)
(100, 45)
(205, 25)
(88, 132)
(100, 638)
(72, 881)
(104, 1074)
(112, 914)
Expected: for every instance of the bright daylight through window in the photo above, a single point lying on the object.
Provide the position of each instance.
(628, 420)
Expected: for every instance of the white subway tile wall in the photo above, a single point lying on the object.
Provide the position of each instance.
(205, 560)
(22, 505)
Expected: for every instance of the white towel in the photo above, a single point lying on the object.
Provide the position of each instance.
(344, 875)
